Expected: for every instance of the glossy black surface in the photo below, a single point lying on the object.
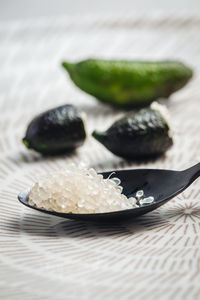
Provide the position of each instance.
(162, 184)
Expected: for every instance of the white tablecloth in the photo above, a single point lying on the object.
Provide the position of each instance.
(43, 257)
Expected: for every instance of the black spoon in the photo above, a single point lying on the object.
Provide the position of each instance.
(163, 185)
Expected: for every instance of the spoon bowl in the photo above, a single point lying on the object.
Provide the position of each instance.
(163, 185)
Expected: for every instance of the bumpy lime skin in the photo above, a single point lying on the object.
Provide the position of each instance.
(128, 83)
(142, 134)
(59, 130)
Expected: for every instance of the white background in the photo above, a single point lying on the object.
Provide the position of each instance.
(22, 9)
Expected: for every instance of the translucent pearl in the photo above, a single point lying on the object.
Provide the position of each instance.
(116, 180)
(79, 190)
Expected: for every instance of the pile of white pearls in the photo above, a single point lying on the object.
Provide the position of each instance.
(79, 190)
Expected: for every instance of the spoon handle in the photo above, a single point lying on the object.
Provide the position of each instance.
(192, 173)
